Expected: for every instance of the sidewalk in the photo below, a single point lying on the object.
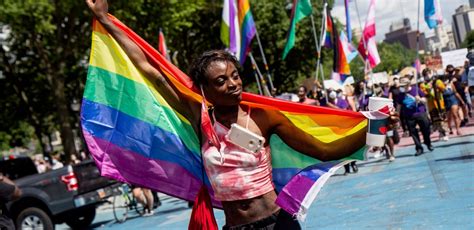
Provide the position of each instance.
(431, 191)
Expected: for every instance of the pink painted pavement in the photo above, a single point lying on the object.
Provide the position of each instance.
(408, 141)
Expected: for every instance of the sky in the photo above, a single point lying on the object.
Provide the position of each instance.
(388, 11)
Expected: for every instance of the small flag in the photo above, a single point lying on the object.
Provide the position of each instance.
(433, 16)
(230, 29)
(301, 9)
(162, 48)
(349, 50)
(367, 45)
(247, 28)
(341, 65)
(329, 28)
(348, 20)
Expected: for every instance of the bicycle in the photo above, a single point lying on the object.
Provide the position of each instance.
(124, 202)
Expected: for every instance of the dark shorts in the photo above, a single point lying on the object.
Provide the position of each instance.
(471, 91)
(279, 220)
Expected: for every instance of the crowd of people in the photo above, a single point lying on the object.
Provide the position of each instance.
(429, 103)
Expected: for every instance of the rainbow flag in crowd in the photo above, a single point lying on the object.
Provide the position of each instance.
(136, 136)
(328, 42)
(237, 28)
(247, 28)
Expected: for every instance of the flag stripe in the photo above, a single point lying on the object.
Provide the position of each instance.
(289, 158)
(137, 136)
(111, 84)
(324, 133)
(125, 165)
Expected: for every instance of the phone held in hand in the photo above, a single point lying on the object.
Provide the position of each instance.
(245, 138)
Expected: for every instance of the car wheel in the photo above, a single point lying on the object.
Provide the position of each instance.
(82, 219)
(34, 218)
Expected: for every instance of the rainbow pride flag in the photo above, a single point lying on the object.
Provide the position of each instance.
(328, 42)
(136, 136)
(247, 28)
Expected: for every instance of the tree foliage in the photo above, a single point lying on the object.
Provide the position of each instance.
(468, 41)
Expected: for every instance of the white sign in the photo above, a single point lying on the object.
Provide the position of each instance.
(377, 78)
(454, 57)
(333, 84)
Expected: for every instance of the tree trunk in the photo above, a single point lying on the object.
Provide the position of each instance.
(67, 136)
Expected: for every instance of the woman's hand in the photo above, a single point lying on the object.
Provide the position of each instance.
(100, 8)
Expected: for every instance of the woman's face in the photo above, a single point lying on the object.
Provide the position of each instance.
(224, 86)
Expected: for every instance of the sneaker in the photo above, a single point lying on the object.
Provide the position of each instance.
(149, 213)
(392, 158)
(418, 152)
(445, 138)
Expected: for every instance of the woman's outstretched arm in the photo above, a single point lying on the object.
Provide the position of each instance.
(307, 144)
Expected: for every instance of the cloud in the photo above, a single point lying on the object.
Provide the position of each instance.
(388, 11)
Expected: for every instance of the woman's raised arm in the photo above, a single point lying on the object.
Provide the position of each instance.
(100, 9)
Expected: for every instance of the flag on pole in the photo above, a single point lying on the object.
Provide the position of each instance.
(301, 9)
(349, 50)
(247, 28)
(367, 45)
(230, 29)
(328, 28)
(433, 16)
(162, 48)
(348, 20)
(341, 65)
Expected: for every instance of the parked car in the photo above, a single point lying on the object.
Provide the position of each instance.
(69, 194)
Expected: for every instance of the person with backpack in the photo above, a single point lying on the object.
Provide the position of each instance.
(431, 87)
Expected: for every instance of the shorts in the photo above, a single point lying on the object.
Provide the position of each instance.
(278, 220)
(471, 91)
(449, 101)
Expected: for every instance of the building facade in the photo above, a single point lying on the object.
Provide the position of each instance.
(402, 32)
(463, 23)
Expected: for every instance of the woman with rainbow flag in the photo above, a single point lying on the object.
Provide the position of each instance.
(241, 176)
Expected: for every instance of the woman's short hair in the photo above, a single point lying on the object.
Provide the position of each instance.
(199, 67)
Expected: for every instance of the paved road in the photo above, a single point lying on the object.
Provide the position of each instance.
(431, 191)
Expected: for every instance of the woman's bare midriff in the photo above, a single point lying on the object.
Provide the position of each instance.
(250, 210)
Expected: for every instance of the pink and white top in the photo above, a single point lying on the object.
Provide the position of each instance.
(236, 173)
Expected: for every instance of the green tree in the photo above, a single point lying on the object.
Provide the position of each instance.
(468, 41)
(44, 61)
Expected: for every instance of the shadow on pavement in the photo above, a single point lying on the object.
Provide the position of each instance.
(461, 158)
(101, 224)
(452, 144)
(171, 210)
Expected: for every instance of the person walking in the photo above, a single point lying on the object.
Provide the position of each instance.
(431, 87)
(411, 104)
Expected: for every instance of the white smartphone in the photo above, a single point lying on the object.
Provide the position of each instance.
(245, 138)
